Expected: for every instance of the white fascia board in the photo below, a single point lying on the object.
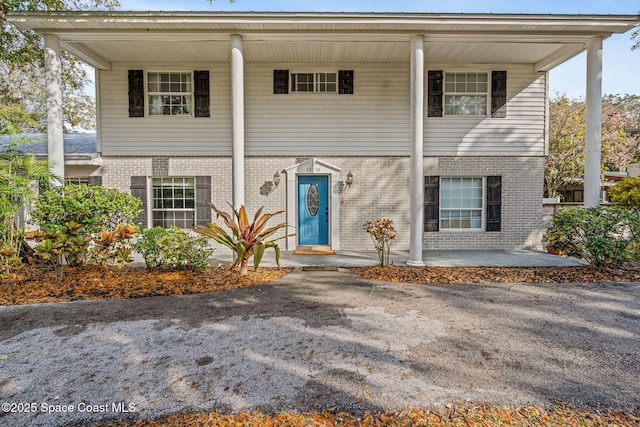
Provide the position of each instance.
(163, 20)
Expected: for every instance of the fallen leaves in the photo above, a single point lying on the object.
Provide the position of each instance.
(36, 283)
(627, 272)
(561, 415)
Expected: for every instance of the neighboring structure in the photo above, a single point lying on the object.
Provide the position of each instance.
(437, 121)
(82, 161)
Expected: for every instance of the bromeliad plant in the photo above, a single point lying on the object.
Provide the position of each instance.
(246, 239)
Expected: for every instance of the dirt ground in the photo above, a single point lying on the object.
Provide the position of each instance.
(316, 340)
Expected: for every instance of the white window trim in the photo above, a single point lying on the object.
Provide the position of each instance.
(482, 207)
(147, 103)
(315, 72)
(150, 196)
(487, 94)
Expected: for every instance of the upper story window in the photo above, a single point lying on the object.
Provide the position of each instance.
(170, 93)
(314, 82)
(465, 94)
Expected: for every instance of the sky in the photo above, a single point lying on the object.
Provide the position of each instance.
(621, 65)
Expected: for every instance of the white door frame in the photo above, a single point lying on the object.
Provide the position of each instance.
(314, 167)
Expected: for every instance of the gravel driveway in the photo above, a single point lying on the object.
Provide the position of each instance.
(319, 340)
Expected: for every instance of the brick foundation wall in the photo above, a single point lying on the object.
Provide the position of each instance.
(380, 189)
(522, 183)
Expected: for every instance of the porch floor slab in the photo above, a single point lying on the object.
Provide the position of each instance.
(444, 258)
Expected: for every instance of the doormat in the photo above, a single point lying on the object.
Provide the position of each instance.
(320, 268)
(314, 252)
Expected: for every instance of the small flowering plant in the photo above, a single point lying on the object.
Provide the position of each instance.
(382, 232)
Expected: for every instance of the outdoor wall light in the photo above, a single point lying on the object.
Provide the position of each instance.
(270, 186)
(346, 183)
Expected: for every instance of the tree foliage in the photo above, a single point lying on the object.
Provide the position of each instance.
(22, 89)
(620, 138)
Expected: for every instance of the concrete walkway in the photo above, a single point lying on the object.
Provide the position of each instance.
(453, 258)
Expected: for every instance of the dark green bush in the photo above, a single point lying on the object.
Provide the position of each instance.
(600, 235)
(94, 207)
(173, 249)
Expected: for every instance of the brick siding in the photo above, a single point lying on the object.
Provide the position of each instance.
(380, 189)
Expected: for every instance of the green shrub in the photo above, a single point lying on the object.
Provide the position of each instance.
(173, 249)
(20, 177)
(626, 193)
(600, 235)
(94, 207)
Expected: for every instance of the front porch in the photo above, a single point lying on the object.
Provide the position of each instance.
(440, 258)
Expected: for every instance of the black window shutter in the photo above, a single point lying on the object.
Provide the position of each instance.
(280, 81)
(139, 190)
(95, 180)
(431, 203)
(136, 93)
(345, 82)
(494, 203)
(201, 93)
(203, 195)
(499, 94)
(434, 93)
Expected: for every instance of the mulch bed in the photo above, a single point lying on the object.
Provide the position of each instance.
(454, 417)
(624, 272)
(36, 283)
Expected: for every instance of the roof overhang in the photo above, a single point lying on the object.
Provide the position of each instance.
(543, 41)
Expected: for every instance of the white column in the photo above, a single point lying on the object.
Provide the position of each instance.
(53, 83)
(417, 148)
(593, 137)
(237, 118)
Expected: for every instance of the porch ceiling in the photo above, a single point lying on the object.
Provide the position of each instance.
(541, 40)
(313, 51)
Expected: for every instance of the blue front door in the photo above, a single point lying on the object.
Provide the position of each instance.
(313, 210)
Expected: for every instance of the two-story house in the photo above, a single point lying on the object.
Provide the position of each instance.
(436, 121)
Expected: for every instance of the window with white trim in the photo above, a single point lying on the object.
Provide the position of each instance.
(314, 82)
(461, 203)
(76, 180)
(465, 93)
(170, 93)
(174, 202)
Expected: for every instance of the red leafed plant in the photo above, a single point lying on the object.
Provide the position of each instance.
(382, 232)
(115, 246)
(247, 239)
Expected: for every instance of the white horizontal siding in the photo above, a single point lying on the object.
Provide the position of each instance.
(122, 135)
(521, 133)
(372, 121)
